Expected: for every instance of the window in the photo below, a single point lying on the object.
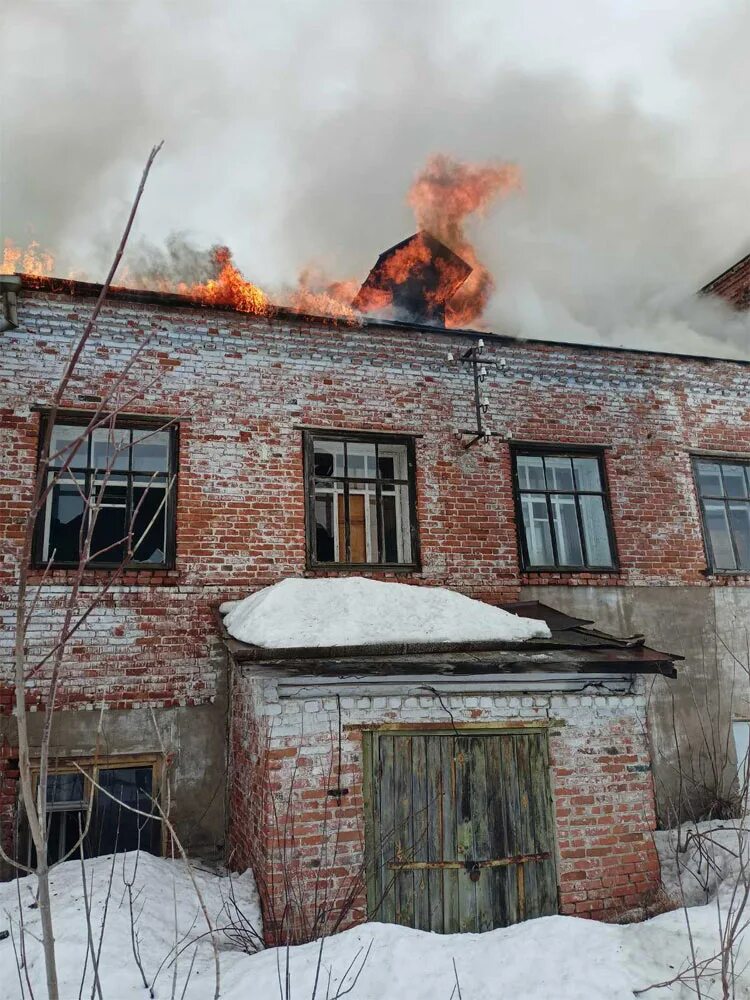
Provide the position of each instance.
(563, 510)
(125, 472)
(724, 493)
(112, 826)
(360, 500)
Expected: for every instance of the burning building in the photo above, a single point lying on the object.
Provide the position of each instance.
(604, 492)
(413, 281)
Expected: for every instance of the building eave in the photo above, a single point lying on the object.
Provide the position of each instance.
(74, 288)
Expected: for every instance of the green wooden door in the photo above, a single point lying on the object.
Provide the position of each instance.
(460, 829)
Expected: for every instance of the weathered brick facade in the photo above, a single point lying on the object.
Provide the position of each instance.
(733, 285)
(308, 846)
(243, 387)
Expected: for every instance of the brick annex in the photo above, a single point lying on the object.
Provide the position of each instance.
(305, 447)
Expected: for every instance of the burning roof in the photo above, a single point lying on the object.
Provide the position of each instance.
(433, 277)
(413, 281)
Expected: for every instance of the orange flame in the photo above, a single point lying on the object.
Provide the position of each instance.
(228, 288)
(318, 295)
(31, 260)
(442, 196)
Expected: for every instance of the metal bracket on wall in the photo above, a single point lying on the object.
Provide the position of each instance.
(474, 356)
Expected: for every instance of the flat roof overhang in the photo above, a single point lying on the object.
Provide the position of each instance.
(572, 649)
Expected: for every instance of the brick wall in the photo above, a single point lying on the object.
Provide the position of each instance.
(733, 285)
(244, 385)
(600, 775)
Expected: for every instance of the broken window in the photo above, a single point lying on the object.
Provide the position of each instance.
(360, 500)
(564, 516)
(724, 491)
(113, 826)
(120, 478)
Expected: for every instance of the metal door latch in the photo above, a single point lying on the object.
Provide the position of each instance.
(472, 867)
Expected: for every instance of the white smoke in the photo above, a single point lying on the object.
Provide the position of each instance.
(293, 132)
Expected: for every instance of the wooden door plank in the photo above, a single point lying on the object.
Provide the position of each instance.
(498, 878)
(527, 881)
(372, 855)
(403, 833)
(386, 830)
(420, 830)
(542, 811)
(511, 806)
(435, 833)
(467, 896)
(448, 751)
(481, 831)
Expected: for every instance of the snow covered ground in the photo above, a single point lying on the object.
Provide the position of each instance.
(353, 611)
(554, 958)
(703, 859)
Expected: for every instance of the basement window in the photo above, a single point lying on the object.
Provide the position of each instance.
(122, 477)
(563, 510)
(360, 500)
(724, 492)
(112, 826)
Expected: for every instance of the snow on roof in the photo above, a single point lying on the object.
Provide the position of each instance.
(353, 611)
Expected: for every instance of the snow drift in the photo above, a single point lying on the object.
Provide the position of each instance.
(565, 958)
(356, 612)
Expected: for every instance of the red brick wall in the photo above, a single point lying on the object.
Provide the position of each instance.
(244, 385)
(604, 804)
(314, 848)
(733, 285)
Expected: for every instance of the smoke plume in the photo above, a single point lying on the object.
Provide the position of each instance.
(294, 132)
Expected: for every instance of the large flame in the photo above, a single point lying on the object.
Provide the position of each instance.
(318, 295)
(228, 288)
(443, 195)
(26, 260)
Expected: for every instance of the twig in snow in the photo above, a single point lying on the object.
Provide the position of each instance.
(457, 987)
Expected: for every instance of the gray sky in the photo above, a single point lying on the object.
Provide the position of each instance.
(293, 131)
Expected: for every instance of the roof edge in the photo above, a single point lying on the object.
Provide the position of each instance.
(739, 265)
(72, 287)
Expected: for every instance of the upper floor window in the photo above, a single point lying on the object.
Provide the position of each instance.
(724, 490)
(360, 500)
(113, 486)
(564, 516)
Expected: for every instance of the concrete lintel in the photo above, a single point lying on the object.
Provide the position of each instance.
(313, 687)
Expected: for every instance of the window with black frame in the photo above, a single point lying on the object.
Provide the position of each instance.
(724, 491)
(122, 477)
(564, 516)
(360, 500)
